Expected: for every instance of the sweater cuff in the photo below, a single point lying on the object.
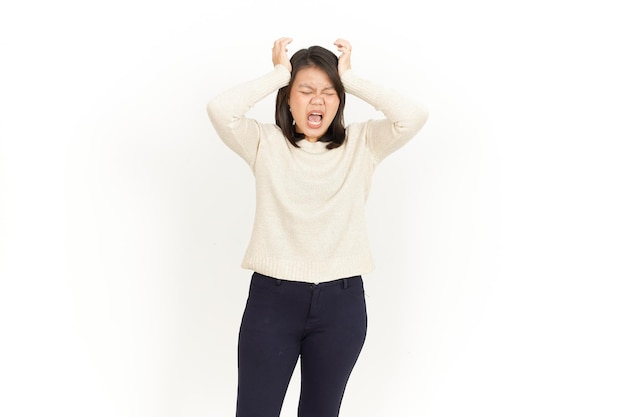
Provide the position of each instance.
(284, 73)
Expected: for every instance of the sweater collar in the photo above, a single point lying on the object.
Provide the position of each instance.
(313, 147)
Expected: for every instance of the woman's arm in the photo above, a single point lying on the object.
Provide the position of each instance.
(227, 112)
(403, 117)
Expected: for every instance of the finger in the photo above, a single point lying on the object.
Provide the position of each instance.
(282, 40)
(343, 45)
(282, 43)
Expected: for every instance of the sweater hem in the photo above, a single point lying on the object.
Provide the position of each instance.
(314, 271)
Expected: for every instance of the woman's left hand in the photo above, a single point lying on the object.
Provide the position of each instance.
(344, 59)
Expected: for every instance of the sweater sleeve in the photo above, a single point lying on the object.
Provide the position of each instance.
(227, 112)
(403, 117)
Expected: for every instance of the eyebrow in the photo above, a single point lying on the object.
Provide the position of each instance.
(306, 85)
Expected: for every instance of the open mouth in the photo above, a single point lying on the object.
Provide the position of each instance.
(314, 119)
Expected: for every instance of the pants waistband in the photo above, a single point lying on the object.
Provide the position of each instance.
(344, 282)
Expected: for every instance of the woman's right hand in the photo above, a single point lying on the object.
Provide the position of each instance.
(279, 52)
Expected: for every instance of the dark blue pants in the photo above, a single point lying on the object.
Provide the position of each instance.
(322, 324)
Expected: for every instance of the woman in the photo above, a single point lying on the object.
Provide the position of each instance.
(309, 246)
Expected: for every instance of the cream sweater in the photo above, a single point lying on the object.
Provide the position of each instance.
(310, 201)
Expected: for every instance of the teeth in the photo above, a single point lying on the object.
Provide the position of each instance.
(315, 119)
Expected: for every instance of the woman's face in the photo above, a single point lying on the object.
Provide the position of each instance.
(313, 102)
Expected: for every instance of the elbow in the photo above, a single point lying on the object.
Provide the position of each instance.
(417, 120)
(218, 114)
(423, 119)
(421, 114)
(212, 109)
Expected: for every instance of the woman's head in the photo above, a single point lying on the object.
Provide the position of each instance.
(311, 106)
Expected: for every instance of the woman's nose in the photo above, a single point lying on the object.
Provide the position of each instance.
(317, 99)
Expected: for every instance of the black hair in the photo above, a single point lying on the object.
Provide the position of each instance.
(322, 58)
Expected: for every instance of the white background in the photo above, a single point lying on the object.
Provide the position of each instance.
(498, 232)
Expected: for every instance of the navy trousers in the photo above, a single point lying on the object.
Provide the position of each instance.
(322, 324)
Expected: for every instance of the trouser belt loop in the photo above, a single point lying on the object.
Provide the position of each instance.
(344, 283)
(278, 282)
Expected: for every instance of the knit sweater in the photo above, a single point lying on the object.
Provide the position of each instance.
(310, 222)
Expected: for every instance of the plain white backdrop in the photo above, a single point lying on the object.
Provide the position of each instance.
(498, 232)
